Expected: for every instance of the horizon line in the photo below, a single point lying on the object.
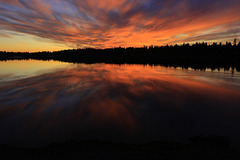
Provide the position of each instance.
(232, 43)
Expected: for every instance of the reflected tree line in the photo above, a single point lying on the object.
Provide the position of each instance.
(197, 56)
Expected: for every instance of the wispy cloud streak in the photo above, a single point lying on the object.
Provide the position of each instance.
(110, 23)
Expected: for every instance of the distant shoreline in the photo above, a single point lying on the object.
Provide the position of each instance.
(197, 56)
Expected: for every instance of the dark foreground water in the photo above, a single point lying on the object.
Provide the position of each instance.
(42, 102)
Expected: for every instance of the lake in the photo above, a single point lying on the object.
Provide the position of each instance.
(42, 102)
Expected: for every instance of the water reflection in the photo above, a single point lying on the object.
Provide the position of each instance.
(127, 103)
(18, 69)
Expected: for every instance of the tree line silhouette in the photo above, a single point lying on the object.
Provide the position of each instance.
(197, 56)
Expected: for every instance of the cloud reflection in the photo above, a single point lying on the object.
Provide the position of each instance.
(115, 102)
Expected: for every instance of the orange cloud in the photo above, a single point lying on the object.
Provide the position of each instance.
(113, 23)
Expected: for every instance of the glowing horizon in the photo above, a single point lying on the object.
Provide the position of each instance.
(41, 25)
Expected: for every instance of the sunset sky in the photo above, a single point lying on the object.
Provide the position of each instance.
(38, 25)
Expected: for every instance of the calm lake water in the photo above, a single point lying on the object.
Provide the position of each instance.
(42, 102)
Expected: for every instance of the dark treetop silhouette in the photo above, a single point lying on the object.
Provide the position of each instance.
(196, 56)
